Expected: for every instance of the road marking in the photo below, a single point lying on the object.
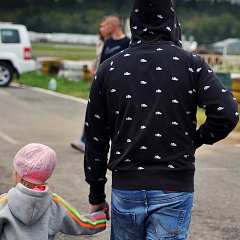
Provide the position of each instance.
(61, 95)
(237, 145)
(7, 138)
(4, 93)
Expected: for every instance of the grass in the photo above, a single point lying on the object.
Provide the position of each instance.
(72, 88)
(63, 51)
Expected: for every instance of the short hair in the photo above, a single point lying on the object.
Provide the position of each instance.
(103, 19)
(116, 16)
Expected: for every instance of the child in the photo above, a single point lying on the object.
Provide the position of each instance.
(31, 211)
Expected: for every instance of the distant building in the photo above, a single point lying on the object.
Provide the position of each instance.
(229, 46)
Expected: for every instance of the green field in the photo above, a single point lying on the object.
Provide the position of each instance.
(73, 88)
(63, 51)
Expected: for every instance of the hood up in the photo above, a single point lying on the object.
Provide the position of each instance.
(28, 205)
(153, 21)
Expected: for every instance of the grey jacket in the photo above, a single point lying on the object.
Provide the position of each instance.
(28, 214)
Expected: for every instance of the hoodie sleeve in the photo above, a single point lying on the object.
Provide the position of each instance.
(220, 106)
(97, 142)
(75, 224)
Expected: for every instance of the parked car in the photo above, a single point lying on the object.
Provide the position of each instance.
(15, 52)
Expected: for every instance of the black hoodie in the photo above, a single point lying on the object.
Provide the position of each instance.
(144, 100)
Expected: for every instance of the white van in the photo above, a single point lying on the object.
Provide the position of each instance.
(15, 52)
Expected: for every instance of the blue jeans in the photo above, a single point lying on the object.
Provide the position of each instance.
(150, 215)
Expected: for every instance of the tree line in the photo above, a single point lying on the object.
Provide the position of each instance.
(207, 21)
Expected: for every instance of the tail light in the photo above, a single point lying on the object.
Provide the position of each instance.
(27, 53)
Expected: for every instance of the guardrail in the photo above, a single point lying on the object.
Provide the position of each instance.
(235, 87)
(227, 67)
(72, 70)
(223, 63)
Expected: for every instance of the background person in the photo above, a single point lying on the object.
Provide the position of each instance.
(111, 26)
(103, 33)
(118, 41)
(144, 100)
(31, 211)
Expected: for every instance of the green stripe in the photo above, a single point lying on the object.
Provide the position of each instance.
(3, 198)
(74, 211)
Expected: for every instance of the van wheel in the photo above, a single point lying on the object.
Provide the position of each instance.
(6, 74)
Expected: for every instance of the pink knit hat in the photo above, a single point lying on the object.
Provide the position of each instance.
(35, 163)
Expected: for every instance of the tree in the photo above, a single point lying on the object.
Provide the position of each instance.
(203, 18)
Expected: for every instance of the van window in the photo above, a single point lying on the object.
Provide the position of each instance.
(10, 36)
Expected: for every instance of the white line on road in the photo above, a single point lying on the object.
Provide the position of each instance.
(237, 145)
(7, 138)
(53, 93)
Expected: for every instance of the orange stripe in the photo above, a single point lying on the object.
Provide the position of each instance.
(5, 200)
(73, 216)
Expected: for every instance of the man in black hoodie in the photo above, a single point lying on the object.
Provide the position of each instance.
(144, 100)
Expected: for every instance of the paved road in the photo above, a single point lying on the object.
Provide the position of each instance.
(27, 115)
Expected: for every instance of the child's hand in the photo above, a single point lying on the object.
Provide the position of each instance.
(104, 210)
(103, 207)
